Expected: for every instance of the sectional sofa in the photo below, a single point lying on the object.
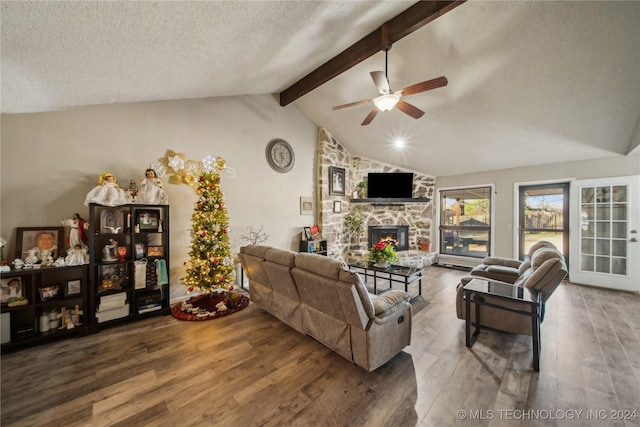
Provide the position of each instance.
(319, 297)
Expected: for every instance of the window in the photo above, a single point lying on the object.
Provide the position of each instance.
(465, 221)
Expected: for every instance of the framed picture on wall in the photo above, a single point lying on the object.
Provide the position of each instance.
(336, 181)
(337, 206)
(306, 205)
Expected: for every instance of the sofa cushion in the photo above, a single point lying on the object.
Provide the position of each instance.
(542, 255)
(320, 265)
(282, 257)
(259, 251)
(540, 244)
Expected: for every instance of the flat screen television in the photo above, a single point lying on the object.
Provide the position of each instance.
(390, 185)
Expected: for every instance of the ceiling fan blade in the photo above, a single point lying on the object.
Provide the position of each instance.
(370, 116)
(381, 82)
(352, 104)
(424, 86)
(409, 109)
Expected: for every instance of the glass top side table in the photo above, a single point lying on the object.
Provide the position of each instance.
(477, 289)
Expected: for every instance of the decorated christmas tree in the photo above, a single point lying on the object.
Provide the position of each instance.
(210, 266)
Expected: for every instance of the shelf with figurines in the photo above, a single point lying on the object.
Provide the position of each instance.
(129, 247)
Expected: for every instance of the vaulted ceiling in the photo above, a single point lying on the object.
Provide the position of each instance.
(529, 82)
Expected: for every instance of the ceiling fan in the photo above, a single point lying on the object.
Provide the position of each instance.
(387, 100)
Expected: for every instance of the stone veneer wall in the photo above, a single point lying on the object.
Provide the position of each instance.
(332, 153)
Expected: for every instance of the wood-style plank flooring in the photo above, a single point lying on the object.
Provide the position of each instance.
(249, 369)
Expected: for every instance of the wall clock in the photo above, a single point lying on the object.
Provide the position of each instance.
(280, 155)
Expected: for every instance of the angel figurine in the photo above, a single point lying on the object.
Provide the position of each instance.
(150, 191)
(107, 193)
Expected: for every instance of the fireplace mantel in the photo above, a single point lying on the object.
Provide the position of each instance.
(384, 201)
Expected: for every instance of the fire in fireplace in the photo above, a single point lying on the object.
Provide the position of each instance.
(398, 235)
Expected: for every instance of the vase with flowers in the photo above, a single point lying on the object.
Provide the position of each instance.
(382, 254)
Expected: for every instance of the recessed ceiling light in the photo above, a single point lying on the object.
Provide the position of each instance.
(399, 142)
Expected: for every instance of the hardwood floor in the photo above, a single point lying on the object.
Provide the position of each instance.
(249, 369)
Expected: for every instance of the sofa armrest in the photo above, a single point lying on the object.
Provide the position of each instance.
(389, 302)
(503, 270)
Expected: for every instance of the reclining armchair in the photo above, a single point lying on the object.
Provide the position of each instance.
(506, 269)
(546, 270)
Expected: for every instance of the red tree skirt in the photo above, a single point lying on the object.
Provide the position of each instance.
(204, 306)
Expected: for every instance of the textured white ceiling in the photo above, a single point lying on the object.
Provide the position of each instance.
(529, 82)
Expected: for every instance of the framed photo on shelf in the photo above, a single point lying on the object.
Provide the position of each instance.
(140, 250)
(111, 220)
(49, 292)
(148, 220)
(307, 233)
(74, 287)
(315, 232)
(155, 251)
(306, 206)
(11, 288)
(336, 181)
(113, 276)
(34, 243)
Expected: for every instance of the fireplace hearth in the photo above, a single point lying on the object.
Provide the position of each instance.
(397, 235)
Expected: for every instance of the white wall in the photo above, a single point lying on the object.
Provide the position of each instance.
(51, 160)
(504, 180)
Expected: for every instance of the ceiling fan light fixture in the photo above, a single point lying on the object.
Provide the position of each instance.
(387, 101)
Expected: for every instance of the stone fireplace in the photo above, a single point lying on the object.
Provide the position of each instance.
(398, 235)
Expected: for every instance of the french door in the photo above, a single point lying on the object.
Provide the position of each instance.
(604, 233)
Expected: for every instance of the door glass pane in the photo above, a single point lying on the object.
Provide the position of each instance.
(619, 248)
(603, 229)
(619, 266)
(602, 195)
(619, 212)
(587, 246)
(603, 212)
(620, 193)
(586, 263)
(587, 195)
(602, 247)
(619, 230)
(602, 264)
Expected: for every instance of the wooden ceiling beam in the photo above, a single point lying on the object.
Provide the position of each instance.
(390, 32)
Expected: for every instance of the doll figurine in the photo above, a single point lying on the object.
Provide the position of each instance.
(150, 191)
(107, 193)
(132, 191)
(76, 255)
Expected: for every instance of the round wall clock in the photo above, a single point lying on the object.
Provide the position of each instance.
(280, 155)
